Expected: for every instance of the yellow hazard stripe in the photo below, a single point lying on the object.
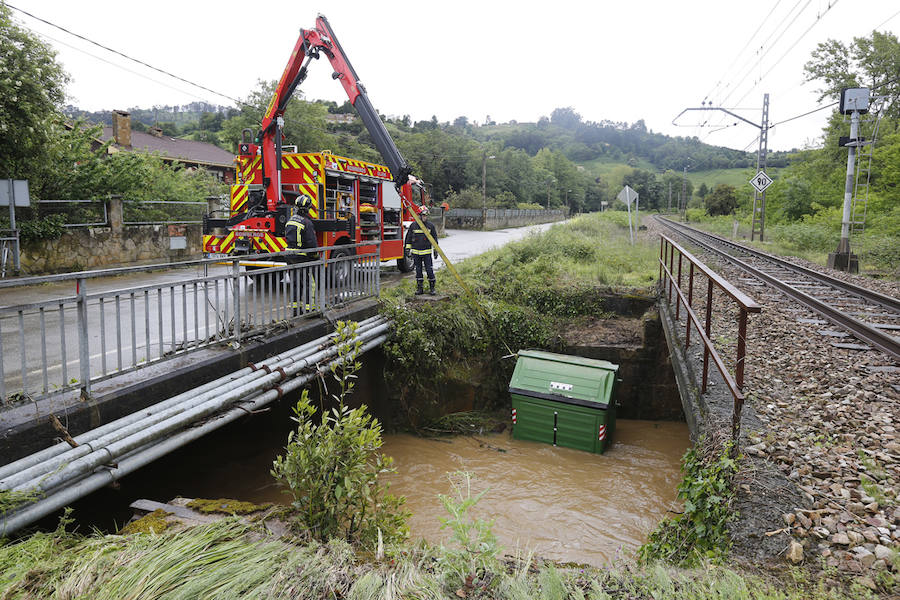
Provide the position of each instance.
(273, 244)
(239, 195)
(248, 166)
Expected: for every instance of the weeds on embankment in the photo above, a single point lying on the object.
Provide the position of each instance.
(527, 290)
(231, 559)
(812, 239)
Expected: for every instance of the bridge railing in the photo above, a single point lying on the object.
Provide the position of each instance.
(70, 342)
(671, 275)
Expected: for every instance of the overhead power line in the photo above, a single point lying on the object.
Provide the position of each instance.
(741, 51)
(759, 58)
(118, 66)
(794, 45)
(123, 55)
(891, 18)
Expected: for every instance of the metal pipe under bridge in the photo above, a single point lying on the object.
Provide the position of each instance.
(155, 332)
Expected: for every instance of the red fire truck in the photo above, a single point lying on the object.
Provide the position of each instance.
(353, 201)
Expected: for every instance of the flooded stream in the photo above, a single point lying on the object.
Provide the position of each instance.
(563, 504)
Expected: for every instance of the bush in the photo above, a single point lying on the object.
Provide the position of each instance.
(721, 201)
(881, 251)
(805, 237)
(701, 531)
(50, 227)
(331, 468)
(472, 560)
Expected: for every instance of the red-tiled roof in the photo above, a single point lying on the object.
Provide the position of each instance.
(187, 150)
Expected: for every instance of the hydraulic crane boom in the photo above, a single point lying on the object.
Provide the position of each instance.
(310, 44)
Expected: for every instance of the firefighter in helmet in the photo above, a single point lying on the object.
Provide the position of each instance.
(420, 248)
(300, 233)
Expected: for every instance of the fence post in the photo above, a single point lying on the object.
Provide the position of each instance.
(708, 329)
(236, 296)
(741, 349)
(116, 211)
(690, 303)
(84, 358)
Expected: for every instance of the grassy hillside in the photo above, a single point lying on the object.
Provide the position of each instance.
(738, 178)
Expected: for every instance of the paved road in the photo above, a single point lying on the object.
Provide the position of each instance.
(143, 317)
(461, 244)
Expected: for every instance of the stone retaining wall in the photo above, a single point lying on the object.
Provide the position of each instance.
(498, 218)
(99, 247)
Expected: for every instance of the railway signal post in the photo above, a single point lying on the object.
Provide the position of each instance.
(854, 101)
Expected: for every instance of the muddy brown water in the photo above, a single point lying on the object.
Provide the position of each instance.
(562, 504)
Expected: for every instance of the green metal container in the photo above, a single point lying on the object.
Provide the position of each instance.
(563, 400)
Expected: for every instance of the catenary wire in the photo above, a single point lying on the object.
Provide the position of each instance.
(108, 49)
(758, 61)
(747, 67)
(794, 45)
(741, 51)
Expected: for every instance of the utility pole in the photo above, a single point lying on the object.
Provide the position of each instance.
(669, 201)
(484, 159)
(762, 155)
(484, 191)
(759, 199)
(854, 101)
(682, 203)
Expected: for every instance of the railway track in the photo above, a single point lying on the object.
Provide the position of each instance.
(872, 318)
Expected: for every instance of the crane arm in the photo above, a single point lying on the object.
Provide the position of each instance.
(310, 44)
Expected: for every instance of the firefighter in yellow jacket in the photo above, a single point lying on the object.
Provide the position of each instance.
(300, 234)
(421, 250)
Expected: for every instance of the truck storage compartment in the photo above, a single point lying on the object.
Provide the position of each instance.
(563, 400)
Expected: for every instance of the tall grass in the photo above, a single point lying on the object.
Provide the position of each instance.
(592, 249)
(230, 559)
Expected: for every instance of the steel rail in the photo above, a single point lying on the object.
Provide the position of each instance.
(866, 294)
(887, 343)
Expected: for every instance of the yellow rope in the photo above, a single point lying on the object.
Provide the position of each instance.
(465, 286)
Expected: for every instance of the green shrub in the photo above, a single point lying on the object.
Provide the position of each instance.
(805, 237)
(701, 531)
(50, 227)
(881, 251)
(331, 468)
(473, 558)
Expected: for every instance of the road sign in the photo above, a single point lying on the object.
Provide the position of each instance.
(15, 190)
(761, 181)
(627, 195)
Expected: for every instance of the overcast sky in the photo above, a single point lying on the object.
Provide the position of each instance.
(620, 61)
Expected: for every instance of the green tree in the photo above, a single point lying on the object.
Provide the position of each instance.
(722, 200)
(647, 186)
(304, 124)
(32, 89)
(565, 117)
(211, 121)
(703, 190)
(865, 62)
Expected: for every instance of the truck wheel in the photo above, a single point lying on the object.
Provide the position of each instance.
(405, 264)
(344, 268)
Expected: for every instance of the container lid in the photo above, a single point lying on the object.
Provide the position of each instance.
(564, 377)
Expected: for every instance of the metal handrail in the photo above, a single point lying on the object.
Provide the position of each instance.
(745, 304)
(100, 334)
(101, 203)
(203, 205)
